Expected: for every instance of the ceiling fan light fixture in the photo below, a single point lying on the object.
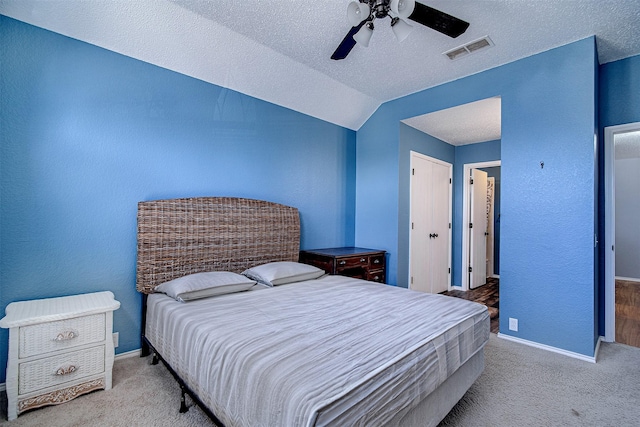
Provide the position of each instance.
(357, 12)
(401, 29)
(364, 35)
(402, 8)
(362, 13)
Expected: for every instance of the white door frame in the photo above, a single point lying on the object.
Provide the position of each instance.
(465, 215)
(491, 229)
(610, 227)
(450, 166)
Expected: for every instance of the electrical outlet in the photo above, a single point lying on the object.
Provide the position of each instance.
(116, 339)
(513, 324)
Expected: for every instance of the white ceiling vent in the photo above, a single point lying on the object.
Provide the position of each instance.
(468, 48)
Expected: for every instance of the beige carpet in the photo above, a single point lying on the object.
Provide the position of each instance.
(521, 386)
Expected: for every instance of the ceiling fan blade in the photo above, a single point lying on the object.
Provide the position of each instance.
(347, 43)
(439, 21)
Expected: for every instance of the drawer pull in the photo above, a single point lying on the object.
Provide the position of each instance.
(376, 261)
(66, 336)
(343, 262)
(66, 370)
(363, 260)
(376, 278)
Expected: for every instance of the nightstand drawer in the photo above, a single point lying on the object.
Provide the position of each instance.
(376, 276)
(376, 262)
(51, 371)
(63, 334)
(351, 262)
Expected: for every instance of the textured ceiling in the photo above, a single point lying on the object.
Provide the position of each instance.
(478, 121)
(279, 51)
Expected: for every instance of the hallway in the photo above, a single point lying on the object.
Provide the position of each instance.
(628, 312)
(488, 295)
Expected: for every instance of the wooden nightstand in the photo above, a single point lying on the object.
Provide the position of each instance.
(361, 263)
(59, 349)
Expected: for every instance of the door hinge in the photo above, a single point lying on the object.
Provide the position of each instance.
(470, 269)
(412, 226)
(413, 171)
(449, 271)
(471, 181)
(470, 225)
(449, 180)
(412, 280)
(449, 226)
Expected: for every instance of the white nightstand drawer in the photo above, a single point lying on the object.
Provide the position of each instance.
(60, 335)
(50, 371)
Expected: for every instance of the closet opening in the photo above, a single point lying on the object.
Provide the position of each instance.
(622, 234)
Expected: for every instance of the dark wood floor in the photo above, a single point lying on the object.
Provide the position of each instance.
(487, 295)
(628, 312)
(627, 307)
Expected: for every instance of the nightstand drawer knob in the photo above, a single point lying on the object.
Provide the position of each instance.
(66, 336)
(66, 370)
(363, 260)
(376, 261)
(343, 262)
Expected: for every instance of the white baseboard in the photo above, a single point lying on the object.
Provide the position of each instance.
(628, 279)
(591, 359)
(597, 350)
(128, 354)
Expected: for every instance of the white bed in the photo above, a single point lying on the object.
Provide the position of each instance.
(333, 351)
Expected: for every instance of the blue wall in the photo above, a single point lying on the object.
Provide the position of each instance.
(87, 133)
(620, 92)
(547, 259)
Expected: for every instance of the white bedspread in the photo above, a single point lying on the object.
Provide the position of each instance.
(333, 351)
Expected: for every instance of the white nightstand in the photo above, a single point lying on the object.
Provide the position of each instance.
(59, 348)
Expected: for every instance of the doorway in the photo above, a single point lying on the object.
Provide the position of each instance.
(475, 237)
(622, 234)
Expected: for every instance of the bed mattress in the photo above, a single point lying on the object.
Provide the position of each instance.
(334, 351)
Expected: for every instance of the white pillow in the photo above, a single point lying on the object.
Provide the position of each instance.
(281, 272)
(202, 285)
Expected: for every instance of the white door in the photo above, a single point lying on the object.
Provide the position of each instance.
(420, 224)
(478, 226)
(430, 247)
(440, 226)
(491, 186)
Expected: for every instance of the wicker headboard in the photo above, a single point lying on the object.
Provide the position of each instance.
(183, 236)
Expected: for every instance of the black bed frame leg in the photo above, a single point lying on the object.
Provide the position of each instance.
(154, 361)
(183, 406)
(145, 350)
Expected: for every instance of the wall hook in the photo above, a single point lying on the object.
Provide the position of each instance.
(541, 165)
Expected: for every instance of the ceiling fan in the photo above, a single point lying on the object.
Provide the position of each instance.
(362, 13)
